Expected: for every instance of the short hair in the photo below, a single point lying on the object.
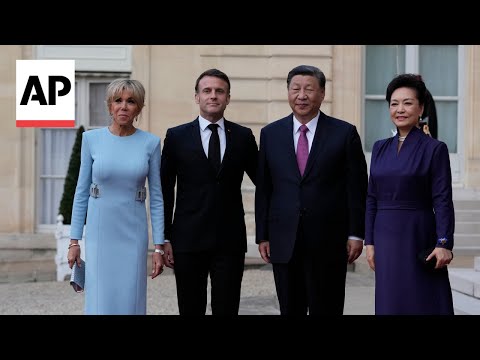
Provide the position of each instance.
(215, 73)
(118, 86)
(307, 70)
(412, 81)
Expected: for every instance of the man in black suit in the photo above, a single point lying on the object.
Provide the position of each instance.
(207, 234)
(310, 199)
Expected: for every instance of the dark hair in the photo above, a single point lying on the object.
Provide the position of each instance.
(413, 81)
(307, 70)
(429, 115)
(215, 73)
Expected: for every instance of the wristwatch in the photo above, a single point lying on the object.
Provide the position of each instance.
(160, 251)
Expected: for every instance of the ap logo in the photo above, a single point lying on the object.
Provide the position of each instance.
(45, 93)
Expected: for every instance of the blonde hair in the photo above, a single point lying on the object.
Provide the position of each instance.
(118, 86)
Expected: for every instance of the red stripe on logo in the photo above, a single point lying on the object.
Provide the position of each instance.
(46, 123)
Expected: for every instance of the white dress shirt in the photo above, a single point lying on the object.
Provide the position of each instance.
(205, 134)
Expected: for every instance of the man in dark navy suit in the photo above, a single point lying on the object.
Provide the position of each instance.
(310, 199)
(207, 159)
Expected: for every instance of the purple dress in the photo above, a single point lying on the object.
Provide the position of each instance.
(409, 207)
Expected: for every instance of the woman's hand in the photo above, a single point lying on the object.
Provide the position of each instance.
(371, 256)
(73, 253)
(444, 257)
(157, 263)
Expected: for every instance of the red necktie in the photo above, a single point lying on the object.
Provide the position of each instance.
(302, 149)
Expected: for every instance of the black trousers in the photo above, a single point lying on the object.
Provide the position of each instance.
(191, 276)
(313, 282)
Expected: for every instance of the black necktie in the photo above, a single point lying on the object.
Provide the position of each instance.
(214, 147)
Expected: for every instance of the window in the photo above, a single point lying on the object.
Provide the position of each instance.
(55, 144)
(440, 67)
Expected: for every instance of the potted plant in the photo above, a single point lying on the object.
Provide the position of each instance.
(64, 218)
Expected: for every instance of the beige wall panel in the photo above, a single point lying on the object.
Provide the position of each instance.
(266, 50)
(238, 50)
(327, 108)
(173, 72)
(304, 50)
(17, 160)
(238, 66)
(141, 71)
(347, 76)
(281, 66)
(278, 90)
(256, 131)
(247, 112)
(10, 210)
(249, 89)
(277, 110)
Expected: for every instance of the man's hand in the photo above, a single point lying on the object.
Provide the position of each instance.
(168, 256)
(264, 249)
(354, 249)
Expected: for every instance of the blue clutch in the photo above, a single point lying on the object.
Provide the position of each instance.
(77, 279)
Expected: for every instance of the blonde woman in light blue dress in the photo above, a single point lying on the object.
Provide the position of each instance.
(116, 161)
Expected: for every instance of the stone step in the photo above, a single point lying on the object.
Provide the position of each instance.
(28, 271)
(465, 281)
(467, 240)
(466, 204)
(467, 215)
(27, 241)
(471, 251)
(464, 304)
(27, 257)
(467, 227)
(9, 255)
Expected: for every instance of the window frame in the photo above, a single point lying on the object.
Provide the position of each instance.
(412, 65)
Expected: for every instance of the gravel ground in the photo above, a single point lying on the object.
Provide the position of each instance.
(257, 298)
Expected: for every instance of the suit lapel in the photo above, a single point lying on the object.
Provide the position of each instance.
(321, 135)
(286, 143)
(196, 140)
(228, 143)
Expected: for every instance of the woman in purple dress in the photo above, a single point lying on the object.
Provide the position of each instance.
(409, 210)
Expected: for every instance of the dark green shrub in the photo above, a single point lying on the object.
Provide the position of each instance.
(71, 180)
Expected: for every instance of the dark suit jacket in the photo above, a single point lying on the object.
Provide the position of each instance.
(209, 212)
(329, 198)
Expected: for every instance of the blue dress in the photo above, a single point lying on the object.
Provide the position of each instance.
(409, 207)
(116, 233)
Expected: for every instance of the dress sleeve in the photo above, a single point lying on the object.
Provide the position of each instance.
(357, 182)
(168, 176)
(371, 204)
(82, 191)
(441, 175)
(156, 197)
(263, 191)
